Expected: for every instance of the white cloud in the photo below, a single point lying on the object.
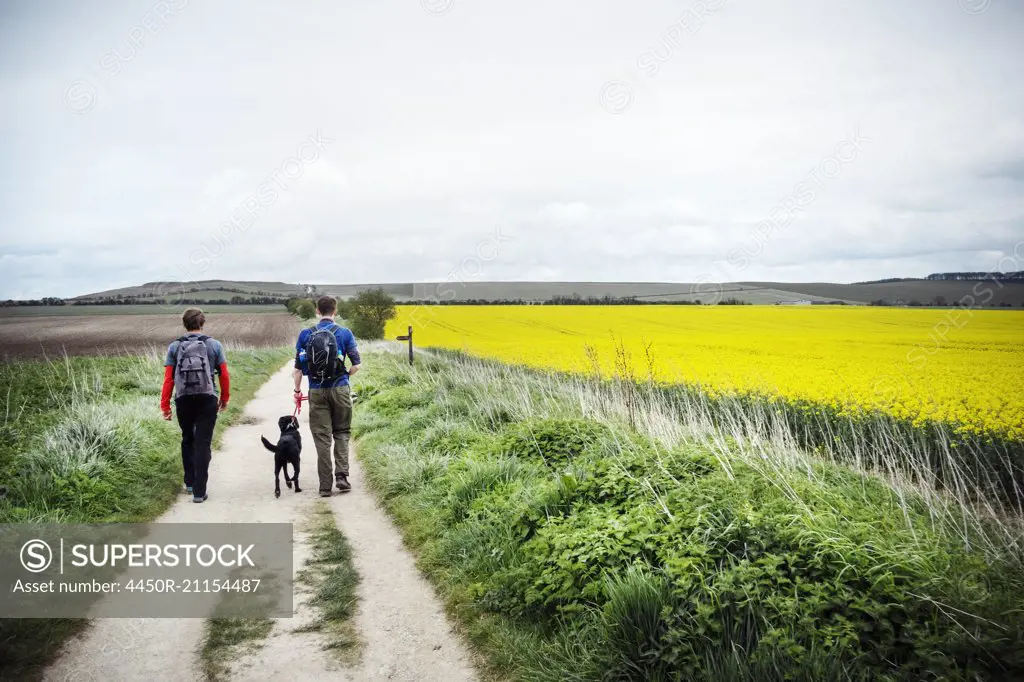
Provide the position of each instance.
(441, 128)
(564, 213)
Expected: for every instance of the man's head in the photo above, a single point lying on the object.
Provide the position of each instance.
(326, 306)
(193, 319)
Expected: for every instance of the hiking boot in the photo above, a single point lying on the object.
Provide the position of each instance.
(197, 499)
(342, 483)
(325, 493)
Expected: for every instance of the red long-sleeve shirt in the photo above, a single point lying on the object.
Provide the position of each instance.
(168, 388)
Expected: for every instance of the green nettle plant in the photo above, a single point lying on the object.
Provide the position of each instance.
(581, 540)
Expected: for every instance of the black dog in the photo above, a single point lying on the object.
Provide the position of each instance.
(287, 451)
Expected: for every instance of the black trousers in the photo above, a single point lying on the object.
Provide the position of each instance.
(197, 415)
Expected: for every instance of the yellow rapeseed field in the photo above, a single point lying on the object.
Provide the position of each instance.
(964, 367)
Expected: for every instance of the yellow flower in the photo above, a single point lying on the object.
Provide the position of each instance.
(912, 364)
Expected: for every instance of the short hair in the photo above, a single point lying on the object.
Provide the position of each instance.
(193, 319)
(325, 305)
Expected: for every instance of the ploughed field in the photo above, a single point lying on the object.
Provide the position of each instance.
(32, 337)
(956, 367)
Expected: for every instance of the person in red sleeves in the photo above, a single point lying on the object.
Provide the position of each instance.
(191, 363)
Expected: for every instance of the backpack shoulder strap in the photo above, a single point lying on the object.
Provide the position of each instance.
(311, 331)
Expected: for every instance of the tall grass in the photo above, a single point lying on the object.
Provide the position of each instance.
(971, 485)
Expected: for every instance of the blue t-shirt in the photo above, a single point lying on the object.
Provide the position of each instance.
(346, 348)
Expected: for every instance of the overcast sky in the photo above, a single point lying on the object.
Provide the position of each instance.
(376, 141)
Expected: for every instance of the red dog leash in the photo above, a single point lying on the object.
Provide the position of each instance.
(298, 403)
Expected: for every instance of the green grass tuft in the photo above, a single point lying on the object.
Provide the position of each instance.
(226, 638)
(334, 581)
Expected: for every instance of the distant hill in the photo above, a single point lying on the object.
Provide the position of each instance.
(945, 290)
(973, 293)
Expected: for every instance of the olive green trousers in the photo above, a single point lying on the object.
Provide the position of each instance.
(330, 419)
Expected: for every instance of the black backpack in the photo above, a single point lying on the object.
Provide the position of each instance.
(322, 357)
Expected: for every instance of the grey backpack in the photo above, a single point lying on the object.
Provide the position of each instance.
(192, 372)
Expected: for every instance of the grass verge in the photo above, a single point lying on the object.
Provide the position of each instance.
(82, 441)
(578, 540)
(977, 467)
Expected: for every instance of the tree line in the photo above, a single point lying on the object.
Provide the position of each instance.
(48, 300)
(970, 276)
(937, 302)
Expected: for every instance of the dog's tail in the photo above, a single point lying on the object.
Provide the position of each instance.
(268, 445)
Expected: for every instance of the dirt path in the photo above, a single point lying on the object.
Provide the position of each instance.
(402, 624)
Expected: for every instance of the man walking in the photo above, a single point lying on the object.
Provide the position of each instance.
(191, 362)
(320, 354)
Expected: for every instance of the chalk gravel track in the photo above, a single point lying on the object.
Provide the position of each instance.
(401, 623)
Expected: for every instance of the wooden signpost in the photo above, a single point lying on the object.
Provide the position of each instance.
(407, 337)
